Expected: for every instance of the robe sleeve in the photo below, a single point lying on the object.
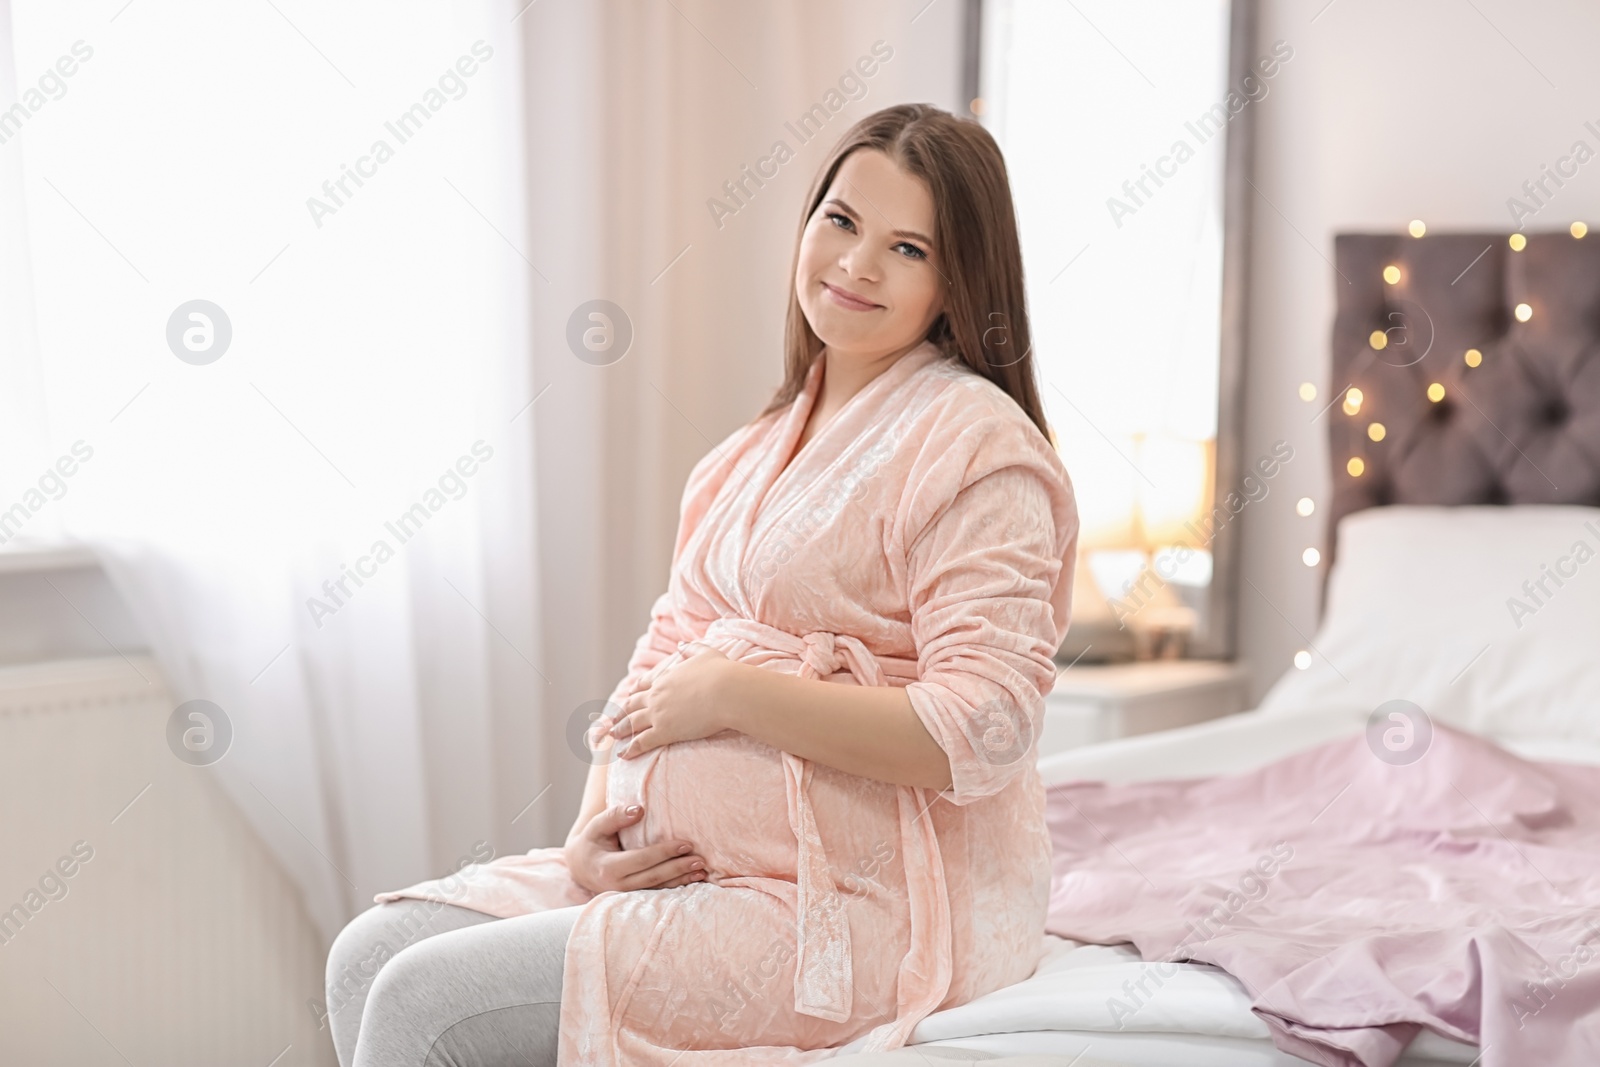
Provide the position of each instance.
(989, 576)
(659, 640)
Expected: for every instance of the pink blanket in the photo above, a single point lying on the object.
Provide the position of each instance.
(1356, 901)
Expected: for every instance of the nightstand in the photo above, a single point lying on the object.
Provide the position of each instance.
(1093, 703)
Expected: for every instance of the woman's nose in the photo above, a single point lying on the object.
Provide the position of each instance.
(860, 269)
(859, 263)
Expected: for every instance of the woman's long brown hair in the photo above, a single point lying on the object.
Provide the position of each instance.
(985, 320)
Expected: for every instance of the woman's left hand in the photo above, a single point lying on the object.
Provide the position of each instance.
(686, 703)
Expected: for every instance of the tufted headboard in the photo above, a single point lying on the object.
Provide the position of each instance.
(1462, 399)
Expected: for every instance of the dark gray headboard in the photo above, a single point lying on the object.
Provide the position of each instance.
(1521, 427)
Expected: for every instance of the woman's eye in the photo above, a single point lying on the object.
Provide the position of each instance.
(845, 223)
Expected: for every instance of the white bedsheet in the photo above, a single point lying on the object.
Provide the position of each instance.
(1202, 1012)
(1201, 1016)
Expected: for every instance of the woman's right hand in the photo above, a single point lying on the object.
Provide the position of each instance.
(598, 862)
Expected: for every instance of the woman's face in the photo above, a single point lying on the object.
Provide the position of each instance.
(869, 277)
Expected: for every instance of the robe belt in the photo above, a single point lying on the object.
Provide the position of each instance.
(823, 967)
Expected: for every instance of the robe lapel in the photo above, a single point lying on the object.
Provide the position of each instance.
(777, 486)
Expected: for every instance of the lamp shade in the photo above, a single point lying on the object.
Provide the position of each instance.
(1178, 493)
(1148, 501)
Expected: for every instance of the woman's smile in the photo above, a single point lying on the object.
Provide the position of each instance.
(846, 299)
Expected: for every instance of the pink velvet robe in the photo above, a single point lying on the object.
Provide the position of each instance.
(924, 537)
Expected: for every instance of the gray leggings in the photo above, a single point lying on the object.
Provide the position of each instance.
(418, 983)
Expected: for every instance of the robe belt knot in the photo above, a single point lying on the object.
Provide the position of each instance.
(823, 985)
(820, 653)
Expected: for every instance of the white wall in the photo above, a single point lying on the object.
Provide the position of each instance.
(1429, 109)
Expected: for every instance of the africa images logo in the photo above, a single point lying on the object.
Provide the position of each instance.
(1399, 732)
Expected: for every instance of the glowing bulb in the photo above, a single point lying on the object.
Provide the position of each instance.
(1579, 229)
(1352, 401)
(1302, 659)
(1375, 431)
(1435, 392)
(1308, 392)
(1378, 340)
(1524, 312)
(1355, 466)
(1417, 228)
(1474, 357)
(1518, 242)
(1305, 506)
(1391, 274)
(1311, 557)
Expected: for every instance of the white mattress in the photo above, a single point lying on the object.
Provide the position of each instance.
(1201, 1016)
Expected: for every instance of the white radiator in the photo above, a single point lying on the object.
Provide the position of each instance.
(175, 939)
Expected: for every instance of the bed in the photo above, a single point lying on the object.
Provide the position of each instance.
(1462, 537)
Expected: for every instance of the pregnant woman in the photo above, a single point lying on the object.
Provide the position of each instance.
(815, 816)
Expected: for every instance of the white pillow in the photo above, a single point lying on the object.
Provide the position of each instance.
(1443, 606)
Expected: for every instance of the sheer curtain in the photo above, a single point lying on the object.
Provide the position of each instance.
(314, 488)
(380, 330)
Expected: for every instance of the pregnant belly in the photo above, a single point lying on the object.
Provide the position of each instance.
(728, 795)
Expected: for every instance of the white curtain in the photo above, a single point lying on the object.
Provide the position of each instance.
(397, 327)
(371, 349)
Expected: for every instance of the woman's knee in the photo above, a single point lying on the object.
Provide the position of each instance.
(366, 945)
(401, 989)
(360, 950)
(482, 997)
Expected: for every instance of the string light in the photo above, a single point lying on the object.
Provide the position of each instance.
(1308, 392)
(1305, 506)
(1579, 229)
(1311, 557)
(1353, 398)
(1302, 659)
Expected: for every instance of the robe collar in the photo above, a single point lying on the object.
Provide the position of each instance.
(848, 421)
